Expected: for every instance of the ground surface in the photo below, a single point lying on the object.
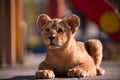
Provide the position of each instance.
(26, 71)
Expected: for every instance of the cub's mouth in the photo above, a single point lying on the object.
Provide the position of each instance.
(54, 46)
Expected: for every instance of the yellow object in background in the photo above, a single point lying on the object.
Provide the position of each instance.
(110, 22)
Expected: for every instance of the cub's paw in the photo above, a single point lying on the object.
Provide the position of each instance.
(44, 74)
(100, 71)
(77, 73)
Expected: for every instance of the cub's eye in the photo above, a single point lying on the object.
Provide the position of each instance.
(60, 30)
(47, 30)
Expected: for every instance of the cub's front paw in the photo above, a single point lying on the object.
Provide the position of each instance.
(44, 74)
(100, 71)
(77, 73)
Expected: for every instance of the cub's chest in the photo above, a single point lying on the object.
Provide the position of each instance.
(62, 64)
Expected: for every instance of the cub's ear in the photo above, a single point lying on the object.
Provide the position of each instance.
(73, 22)
(42, 20)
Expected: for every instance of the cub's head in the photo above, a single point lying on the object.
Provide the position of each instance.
(57, 32)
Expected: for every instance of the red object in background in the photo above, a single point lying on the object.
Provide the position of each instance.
(56, 8)
(95, 9)
(92, 9)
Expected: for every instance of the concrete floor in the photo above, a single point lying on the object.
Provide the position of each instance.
(27, 70)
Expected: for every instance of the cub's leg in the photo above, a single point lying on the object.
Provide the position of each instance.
(82, 70)
(94, 48)
(44, 71)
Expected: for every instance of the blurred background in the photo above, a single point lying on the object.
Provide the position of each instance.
(19, 35)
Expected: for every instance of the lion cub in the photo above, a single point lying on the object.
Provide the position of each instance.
(65, 54)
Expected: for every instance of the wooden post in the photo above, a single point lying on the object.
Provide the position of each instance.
(19, 38)
(11, 49)
(1, 30)
(9, 32)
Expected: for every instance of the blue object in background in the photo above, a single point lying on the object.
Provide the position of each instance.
(40, 49)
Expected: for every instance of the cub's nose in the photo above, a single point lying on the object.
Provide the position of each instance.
(51, 37)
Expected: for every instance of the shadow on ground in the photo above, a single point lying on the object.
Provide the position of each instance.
(29, 77)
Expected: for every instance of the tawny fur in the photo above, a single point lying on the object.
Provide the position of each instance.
(64, 54)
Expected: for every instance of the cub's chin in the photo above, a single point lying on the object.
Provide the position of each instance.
(53, 46)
